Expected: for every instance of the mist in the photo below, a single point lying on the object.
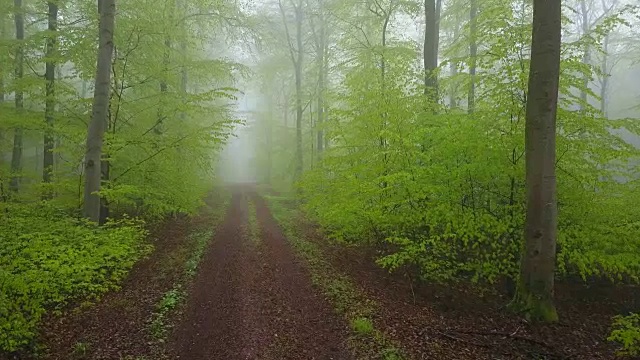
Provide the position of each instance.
(326, 179)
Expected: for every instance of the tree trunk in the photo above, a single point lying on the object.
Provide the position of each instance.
(50, 102)
(299, 111)
(3, 33)
(604, 86)
(534, 295)
(473, 54)
(163, 85)
(586, 57)
(321, 84)
(431, 36)
(16, 155)
(95, 133)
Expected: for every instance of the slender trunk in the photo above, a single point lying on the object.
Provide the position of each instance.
(473, 54)
(269, 138)
(163, 85)
(321, 80)
(16, 155)
(325, 67)
(184, 75)
(50, 102)
(586, 57)
(604, 88)
(383, 61)
(95, 132)
(431, 36)
(2, 97)
(299, 111)
(535, 289)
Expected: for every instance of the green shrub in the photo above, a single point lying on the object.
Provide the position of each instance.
(48, 258)
(626, 331)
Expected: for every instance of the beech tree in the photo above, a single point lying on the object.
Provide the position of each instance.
(16, 156)
(50, 102)
(535, 290)
(100, 111)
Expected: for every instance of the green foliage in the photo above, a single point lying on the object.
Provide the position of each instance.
(626, 332)
(443, 191)
(362, 326)
(169, 302)
(49, 258)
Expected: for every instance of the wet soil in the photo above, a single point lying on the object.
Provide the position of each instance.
(254, 300)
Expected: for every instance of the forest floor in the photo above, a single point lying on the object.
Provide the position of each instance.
(262, 291)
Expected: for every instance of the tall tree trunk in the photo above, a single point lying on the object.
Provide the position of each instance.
(321, 83)
(473, 54)
(163, 85)
(431, 36)
(586, 57)
(16, 155)
(50, 102)
(3, 33)
(534, 295)
(100, 113)
(453, 90)
(604, 86)
(299, 110)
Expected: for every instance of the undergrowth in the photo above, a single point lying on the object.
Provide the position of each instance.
(337, 287)
(49, 258)
(626, 332)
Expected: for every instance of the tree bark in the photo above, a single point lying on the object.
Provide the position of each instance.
(604, 85)
(473, 54)
(534, 295)
(431, 36)
(586, 57)
(3, 33)
(16, 155)
(50, 102)
(299, 110)
(97, 126)
(321, 82)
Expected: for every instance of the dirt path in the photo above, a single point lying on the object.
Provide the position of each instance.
(254, 300)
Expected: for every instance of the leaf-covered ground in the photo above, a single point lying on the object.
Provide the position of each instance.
(256, 295)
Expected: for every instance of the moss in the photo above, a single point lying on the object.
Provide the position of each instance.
(534, 308)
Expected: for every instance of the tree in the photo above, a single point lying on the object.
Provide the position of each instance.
(16, 156)
(100, 112)
(534, 294)
(297, 57)
(50, 103)
(431, 37)
(473, 54)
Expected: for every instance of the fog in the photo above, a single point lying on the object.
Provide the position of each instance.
(351, 35)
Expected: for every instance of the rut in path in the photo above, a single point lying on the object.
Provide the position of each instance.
(254, 300)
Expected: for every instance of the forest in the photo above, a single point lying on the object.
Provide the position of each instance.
(319, 179)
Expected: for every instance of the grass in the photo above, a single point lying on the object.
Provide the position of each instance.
(366, 341)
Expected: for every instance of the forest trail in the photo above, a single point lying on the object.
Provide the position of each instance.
(252, 299)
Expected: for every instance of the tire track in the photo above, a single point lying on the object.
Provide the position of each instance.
(255, 301)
